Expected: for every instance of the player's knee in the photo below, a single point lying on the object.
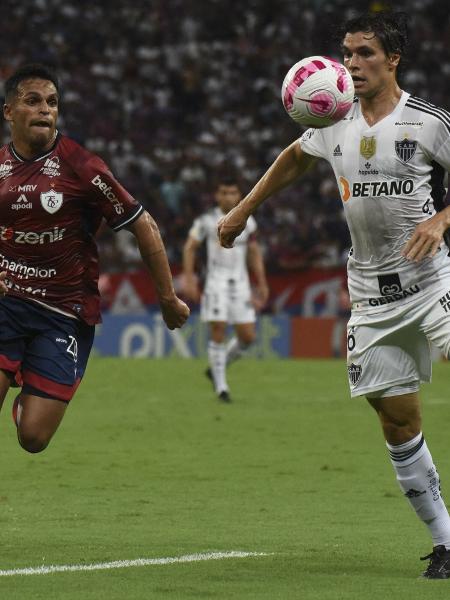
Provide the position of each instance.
(247, 339)
(33, 443)
(399, 430)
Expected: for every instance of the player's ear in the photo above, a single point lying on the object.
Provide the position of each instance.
(7, 112)
(393, 60)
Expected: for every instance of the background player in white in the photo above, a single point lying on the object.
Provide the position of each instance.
(390, 156)
(227, 296)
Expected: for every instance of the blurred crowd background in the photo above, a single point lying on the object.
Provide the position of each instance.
(174, 93)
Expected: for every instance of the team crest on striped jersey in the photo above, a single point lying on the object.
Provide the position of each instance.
(51, 201)
(406, 149)
(354, 373)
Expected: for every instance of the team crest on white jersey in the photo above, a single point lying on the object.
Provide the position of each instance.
(406, 149)
(51, 167)
(51, 201)
(368, 146)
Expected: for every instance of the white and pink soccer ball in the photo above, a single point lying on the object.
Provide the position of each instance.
(317, 92)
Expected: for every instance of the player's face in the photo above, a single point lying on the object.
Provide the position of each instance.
(32, 114)
(227, 196)
(370, 67)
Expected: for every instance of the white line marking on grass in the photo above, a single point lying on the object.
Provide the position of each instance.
(123, 564)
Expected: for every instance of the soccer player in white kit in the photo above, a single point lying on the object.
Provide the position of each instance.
(390, 155)
(227, 296)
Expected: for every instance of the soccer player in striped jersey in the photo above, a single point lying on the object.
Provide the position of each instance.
(390, 156)
(53, 197)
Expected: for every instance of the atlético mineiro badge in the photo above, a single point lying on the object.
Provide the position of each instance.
(405, 150)
(354, 373)
(51, 201)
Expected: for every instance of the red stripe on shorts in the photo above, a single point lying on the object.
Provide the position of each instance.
(59, 391)
(9, 365)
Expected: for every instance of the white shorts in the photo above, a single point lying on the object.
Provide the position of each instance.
(388, 353)
(227, 304)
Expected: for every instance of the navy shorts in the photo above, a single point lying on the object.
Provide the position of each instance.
(45, 351)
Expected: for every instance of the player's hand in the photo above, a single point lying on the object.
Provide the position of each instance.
(190, 288)
(260, 296)
(426, 238)
(231, 225)
(3, 286)
(175, 312)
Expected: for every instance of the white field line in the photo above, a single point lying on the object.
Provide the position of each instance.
(123, 564)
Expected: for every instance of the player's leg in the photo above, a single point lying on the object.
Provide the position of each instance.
(5, 382)
(242, 315)
(217, 357)
(37, 419)
(240, 343)
(400, 418)
(52, 368)
(386, 362)
(214, 311)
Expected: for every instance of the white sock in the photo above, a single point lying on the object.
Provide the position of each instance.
(235, 350)
(217, 361)
(419, 480)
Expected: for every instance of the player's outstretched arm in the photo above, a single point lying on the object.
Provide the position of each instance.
(174, 311)
(256, 265)
(290, 164)
(190, 285)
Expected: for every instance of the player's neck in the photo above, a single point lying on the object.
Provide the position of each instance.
(27, 151)
(380, 105)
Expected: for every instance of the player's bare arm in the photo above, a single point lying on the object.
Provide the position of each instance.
(174, 311)
(256, 266)
(190, 285)
(3, 286)
(427, 236)
(291, 163)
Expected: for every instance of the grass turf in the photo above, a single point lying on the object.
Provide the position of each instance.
(148, 464)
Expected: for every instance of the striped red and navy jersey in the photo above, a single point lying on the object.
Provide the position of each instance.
(50, 210)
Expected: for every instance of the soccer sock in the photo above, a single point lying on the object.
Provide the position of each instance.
(217, 361)
(235, 350)
(419, 480)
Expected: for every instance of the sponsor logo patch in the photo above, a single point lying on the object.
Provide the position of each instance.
(389, 284)
(31, 237)
(337, 151)
(21, 203)
(412, 493)
(5, 169)
(51, 167)
(107, 191)
(445, 302)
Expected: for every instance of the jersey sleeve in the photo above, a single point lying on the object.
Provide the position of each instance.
(117, 206)
(252, 226)
(198, 229)
(438, 146)
(313, 142)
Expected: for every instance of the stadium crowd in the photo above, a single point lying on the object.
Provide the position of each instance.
(172, 92)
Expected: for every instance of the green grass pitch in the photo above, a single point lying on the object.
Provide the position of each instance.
(148, 464)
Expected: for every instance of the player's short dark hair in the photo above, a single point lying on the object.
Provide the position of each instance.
(29, 71)
(391, 28)
(228, 180)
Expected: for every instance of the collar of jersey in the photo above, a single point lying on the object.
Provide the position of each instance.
(39, 156)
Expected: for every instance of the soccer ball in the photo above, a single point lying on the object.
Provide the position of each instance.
(317, 92)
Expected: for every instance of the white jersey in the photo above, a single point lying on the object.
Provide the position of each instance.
(391, 176)
(224, 265)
